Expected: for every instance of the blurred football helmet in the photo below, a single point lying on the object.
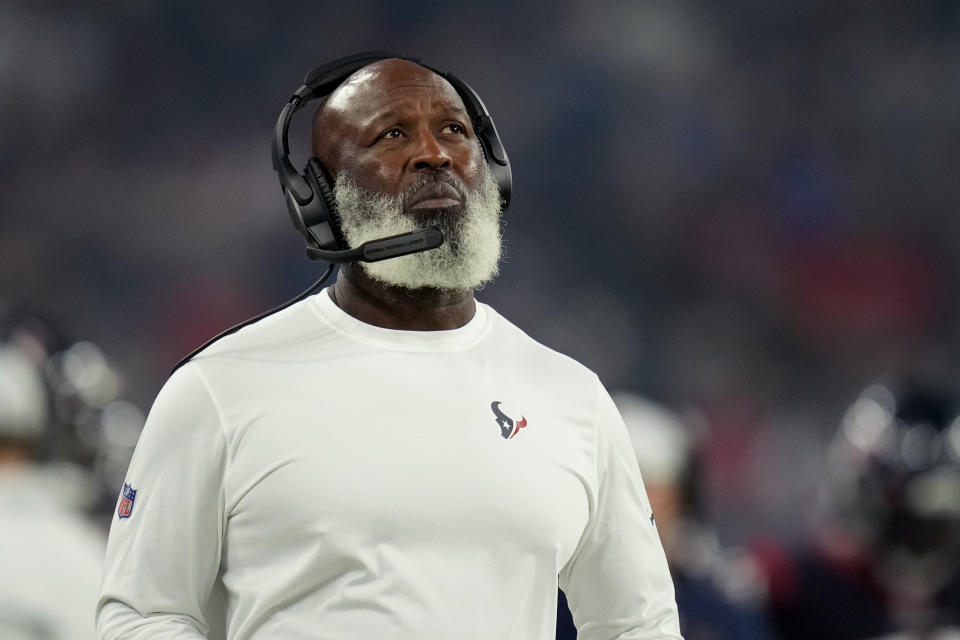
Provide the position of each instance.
(894, 476)
(65, 399)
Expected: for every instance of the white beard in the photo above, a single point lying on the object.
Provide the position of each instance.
(469, 256)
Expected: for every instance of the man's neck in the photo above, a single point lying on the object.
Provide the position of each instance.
(398, 308)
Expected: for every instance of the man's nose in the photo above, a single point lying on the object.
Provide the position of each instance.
(429, 154)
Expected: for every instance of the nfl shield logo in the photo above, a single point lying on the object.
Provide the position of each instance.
(127, 496)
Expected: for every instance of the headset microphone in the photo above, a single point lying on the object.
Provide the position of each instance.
(390, 247)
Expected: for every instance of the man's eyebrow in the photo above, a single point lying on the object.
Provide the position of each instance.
(457, 108)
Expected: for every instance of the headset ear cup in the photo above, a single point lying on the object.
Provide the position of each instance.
(320, 179)
(326, 213)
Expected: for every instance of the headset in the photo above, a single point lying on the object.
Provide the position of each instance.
(309, 196)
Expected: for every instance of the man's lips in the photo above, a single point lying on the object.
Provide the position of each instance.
(435, 195)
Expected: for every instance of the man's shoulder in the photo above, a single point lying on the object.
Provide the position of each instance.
(283, 332)
(520, 343)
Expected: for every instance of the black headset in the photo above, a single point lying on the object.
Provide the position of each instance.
(309, 195)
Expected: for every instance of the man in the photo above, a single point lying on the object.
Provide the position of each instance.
(388, 458)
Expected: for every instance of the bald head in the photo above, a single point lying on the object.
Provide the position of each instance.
(355, 100)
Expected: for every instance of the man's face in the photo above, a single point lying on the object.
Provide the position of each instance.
(403, 151)
(390, 123)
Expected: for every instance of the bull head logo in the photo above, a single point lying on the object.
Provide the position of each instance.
(508, 426)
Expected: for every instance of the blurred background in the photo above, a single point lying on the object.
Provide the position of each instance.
(746, 209)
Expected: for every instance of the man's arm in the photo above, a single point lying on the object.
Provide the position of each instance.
(617, 582)
(163, 558)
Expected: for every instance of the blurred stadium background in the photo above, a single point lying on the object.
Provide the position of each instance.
(746, 208)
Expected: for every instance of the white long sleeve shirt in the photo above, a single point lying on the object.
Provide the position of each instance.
(328, 479)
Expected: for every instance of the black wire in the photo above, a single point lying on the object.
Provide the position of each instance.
(316, 285)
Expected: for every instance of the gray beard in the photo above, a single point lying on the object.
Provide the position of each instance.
(469, 256)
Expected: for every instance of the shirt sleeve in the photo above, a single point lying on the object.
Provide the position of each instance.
(163, 557)
(617, 582)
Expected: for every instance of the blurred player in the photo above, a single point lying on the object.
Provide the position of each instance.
(50, 553)
(886, 561)
(719, 595)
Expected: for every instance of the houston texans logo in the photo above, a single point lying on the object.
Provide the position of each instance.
(508, 427)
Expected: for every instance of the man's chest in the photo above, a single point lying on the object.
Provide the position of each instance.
(452, 458)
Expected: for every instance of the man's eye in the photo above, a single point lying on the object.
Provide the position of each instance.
(392, 134)
(458, 129)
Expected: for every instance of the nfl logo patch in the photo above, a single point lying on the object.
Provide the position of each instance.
(127, 496)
